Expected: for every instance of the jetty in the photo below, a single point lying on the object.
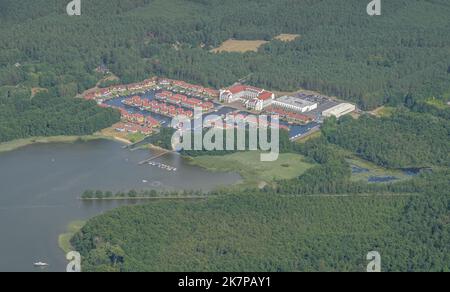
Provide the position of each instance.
(153, 157)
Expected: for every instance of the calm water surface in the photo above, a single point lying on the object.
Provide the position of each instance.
(40, 185)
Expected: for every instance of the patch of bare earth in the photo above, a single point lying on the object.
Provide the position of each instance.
(36, 90)
(239, 46)
(286, 37)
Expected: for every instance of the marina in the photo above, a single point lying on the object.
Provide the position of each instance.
(163, 166)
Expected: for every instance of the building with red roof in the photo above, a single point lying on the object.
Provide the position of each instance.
(192, 103)
(253, 97)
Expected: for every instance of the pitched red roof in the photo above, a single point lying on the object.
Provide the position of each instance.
(236, 89)
(265, 95)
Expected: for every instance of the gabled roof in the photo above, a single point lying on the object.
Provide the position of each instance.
(265, 95)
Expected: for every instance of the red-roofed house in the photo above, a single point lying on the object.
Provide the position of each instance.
(192, 103)
(163, 95)
(206, 106)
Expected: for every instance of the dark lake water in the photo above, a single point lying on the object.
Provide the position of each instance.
(40, 185)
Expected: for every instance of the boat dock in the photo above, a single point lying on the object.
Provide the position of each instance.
(153, 157)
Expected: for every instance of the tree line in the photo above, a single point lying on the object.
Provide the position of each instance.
(46, 115)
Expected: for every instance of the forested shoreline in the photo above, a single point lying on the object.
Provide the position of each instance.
(271, 233)
(45, 115)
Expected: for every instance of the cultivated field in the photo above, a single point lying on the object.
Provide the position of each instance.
(286, 37)
(242, 46)
(239, 46)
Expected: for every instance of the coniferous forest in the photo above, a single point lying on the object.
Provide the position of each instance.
(46, 115)
(403, 54)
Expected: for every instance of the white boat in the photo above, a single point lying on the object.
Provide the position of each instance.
(40, 265)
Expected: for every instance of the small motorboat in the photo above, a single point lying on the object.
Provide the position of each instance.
(40, 265)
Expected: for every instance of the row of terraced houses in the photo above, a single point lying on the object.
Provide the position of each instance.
(151, 84)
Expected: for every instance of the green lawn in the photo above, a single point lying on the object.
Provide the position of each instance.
(64, 239)
(135, 137)
(253, 171)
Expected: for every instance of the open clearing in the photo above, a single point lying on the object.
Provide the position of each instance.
(383, 111)
(253, 171)
(239, 46)
(286, 37)
(242, 46)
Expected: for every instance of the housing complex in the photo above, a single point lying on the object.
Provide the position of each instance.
(136, 123)
(166, 98)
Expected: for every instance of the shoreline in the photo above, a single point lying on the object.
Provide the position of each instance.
(64, 238)
(19, 143)
(145, 198)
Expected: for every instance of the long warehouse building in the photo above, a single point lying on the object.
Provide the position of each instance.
(339, 110)
(294, 104)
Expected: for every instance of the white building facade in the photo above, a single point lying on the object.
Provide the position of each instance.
(294, 104)
(339, 110)
(252, 97)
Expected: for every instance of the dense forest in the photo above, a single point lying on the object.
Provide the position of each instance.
(403, 140)
(47, 115)
(271, 233)
(403, 54)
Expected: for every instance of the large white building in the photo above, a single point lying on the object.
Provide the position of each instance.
(339, 110)
(294, 104)
(251, 97)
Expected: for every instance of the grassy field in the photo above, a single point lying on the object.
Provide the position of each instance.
(242, 46)
(383, 111)
(314, 135)
(64, 239)
(440, 104)
(253, 171)
(286, 37)
(239, 46)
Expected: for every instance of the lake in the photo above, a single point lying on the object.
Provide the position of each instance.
(40, 185)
